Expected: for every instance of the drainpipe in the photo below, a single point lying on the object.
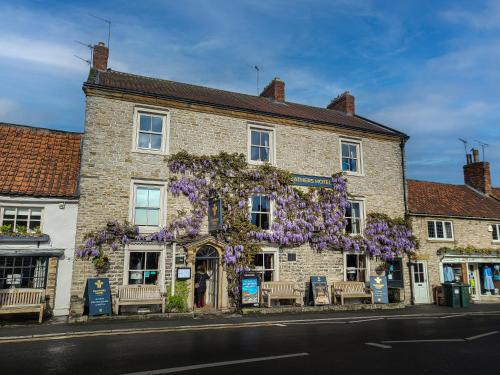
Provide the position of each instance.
(174, 245)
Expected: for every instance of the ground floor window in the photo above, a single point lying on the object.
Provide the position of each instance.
(395, 273)
(144, 267)
(453, 272)
(489, 274)
(23, 272)
(356, 267)
(265, 265)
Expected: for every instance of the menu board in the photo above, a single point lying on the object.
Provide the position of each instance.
(98, 296)
(319, 291)
(250, 289)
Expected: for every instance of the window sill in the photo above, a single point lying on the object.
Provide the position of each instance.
(253, 162)
(24, 238)
(149, 152)
(434, 240)
(354, 174)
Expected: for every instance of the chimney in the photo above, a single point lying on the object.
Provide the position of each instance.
(477, 173)
(275, 90)
(100, 56)
(343, 103)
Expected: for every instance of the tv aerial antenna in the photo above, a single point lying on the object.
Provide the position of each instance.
(257, 69)
(108, 22)
(89, 46)
(483, 147)
(465, 144)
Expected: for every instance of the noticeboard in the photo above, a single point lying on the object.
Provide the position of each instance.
(250, 289)
(319, 291)
(183, 273)
(378, 284)
(98, 296)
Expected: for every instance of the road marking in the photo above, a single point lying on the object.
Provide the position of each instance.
(280, 325)
(453, 316)
(365, 320)
(378, 345)
(481, 335)
(416, 341)
(215, 364)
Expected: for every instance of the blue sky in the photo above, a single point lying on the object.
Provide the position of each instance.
(428, 68)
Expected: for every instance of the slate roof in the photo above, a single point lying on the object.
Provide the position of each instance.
(153, 87)
(496, 193)
(437, 199)
(39, 162)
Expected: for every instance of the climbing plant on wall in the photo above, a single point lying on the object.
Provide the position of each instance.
(314, 215)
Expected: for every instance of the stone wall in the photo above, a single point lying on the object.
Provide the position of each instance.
(109, 164)
(466, 232)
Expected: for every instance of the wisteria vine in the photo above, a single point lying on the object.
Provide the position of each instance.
(316, 216)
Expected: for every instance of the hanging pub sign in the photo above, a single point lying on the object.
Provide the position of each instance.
(250, 289)
(319, 291)
(214, 214)
(313, 181)
(98, 296)
(378, 284)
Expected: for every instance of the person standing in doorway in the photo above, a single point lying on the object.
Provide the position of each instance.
(200, 286)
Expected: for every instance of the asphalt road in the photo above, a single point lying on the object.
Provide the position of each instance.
(444, 344)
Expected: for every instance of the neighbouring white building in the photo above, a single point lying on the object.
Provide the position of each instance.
(39, 174)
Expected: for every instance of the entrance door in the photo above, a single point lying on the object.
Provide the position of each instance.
(420, 284)
(207, 260)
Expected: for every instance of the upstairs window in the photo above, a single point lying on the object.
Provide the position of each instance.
(351, 156)
(496, 232)
(439, 230)
(22, 219)
(150, 132)
(261, 147)
(261, 211)
(147, 206)
(354, 217)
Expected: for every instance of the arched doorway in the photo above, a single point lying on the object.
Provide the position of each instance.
(207, 259)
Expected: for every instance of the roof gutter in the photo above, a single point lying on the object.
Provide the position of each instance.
(138, 92)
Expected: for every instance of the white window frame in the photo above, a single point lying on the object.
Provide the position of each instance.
(138, 248)
(445, 238)
(17, 207)
(367, 269)
(362, 213)
(496, 228)
(164, 150)
(275, 254)
(359, 146)
(134, 184)
(272, 143)
(271, 210)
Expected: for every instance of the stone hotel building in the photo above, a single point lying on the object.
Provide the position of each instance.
(133, 123)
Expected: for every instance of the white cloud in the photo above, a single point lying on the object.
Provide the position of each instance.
(487, 17)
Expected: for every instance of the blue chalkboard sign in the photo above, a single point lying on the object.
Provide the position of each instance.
(378, 284)
(98, 296)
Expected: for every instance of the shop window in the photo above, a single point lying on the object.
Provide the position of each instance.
(496, 232)
(144, 267)
(147, 206)
(354, 217)
(265, 265)
(453, 272)
(351, 156)
(356, 267)
(22, 219)
(395, 273)
(23, 272)
(489, 275)
(439, 230)
(261, 211)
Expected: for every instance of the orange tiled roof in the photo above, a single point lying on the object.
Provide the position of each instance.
(436, 199)
(39, 162)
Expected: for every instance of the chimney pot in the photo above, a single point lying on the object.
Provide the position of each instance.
(100, 56)
(343, 103)
(469, 158)
(275, 90)
(475, 155)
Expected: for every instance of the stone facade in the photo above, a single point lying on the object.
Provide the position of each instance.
(109, 166)
(466, 232)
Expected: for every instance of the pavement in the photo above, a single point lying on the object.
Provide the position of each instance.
(414, 340)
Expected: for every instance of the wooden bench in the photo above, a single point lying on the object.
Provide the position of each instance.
(350, 289)
(22, 300)
(281, 290)
(138, 295)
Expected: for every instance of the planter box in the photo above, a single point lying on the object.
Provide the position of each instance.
(27, 238)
